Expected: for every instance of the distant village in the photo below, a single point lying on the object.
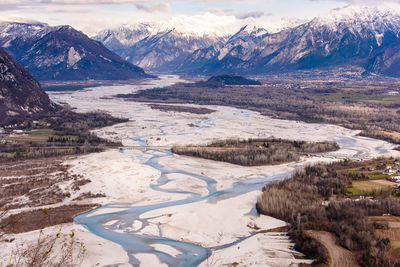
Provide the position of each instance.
(394, 172)
(16, 130)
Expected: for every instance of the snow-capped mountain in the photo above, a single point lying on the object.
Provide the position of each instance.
(119, 40)
(225, 55)
(155, 47)
(343, 36)
(63, 53)
(17, 34)
(166, 50)
(165, 46)
(20, 93)
(365, 37)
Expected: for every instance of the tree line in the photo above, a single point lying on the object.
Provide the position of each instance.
(289, 101)
(71, 135)
(255, 152)
(300, 202)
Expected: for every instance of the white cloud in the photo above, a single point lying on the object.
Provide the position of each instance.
(239, 15)
(21, 19)
(206, 23)
(251, 14)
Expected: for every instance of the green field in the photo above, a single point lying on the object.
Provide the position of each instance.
(41, 132)
(369, 187)
(345, 97)
(37, 136)
(395, 244)
(377, 176)
(373, 175)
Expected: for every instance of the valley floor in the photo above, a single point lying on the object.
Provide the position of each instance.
(184, 203)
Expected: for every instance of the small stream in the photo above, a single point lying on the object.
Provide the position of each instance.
(118, 227)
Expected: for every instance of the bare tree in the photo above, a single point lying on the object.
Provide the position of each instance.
(3, 224)
(49, 250)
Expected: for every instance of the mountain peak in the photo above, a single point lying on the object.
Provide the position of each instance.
(355, 13)
(64, 28)
(200, 26)
(207, 24)
(141, 26)
(254, 29)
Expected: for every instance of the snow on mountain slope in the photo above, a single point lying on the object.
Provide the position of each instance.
(343, 36)
(209, 43)
(225, 55)
(20, 32)
(166, 50)
(157, 47)
(125, 36)
(354, 14)
(163, 47)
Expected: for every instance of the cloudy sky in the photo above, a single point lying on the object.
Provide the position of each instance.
(91, 16)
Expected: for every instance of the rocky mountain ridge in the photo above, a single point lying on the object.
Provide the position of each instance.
(346, 36)
(63, 53)
(355, 36)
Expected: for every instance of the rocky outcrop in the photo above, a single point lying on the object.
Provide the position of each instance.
(20, 94)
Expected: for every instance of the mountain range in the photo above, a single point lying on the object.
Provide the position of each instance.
(153, 47)
(367, 37)
(63, 53)
(346, 36)
(355, 36)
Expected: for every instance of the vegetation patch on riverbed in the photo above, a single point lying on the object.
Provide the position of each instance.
(185, 109)
(256, 152)
(363, 105)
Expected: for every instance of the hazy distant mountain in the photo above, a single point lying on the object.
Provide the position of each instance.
(225, 56)
(20, 93)
(165, 46)
(154, 47)
(121, 39)
(351, 35)
(166, 50)
(63, 53)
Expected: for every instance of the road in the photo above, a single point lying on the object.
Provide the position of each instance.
(339, 256)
